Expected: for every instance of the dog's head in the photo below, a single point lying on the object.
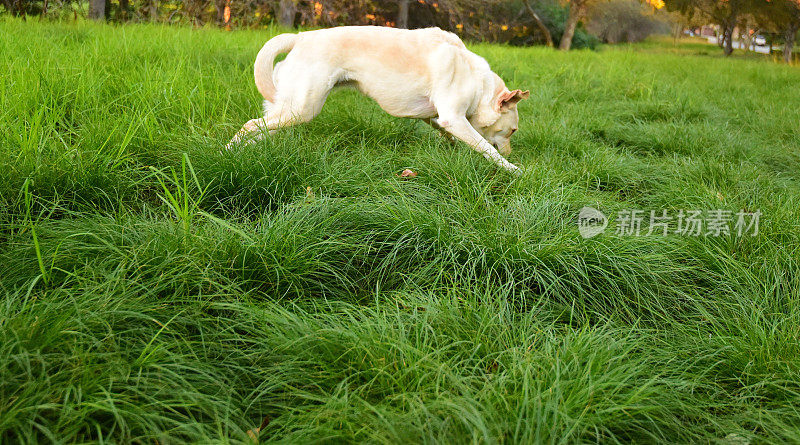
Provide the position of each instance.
(501, 122)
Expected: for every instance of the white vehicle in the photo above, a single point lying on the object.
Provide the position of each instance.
(760, 40)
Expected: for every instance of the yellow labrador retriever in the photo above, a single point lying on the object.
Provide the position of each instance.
(425, 74)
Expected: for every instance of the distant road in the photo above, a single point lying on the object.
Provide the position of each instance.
(739, 45)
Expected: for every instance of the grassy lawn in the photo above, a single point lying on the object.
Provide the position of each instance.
(303, 286)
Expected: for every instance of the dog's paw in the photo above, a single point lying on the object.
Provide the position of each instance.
(229, 146)
(514, 170)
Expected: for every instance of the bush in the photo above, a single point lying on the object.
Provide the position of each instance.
(625, 21)
(554, 16)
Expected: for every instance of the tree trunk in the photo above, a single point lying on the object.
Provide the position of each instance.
(575, 9)
(547, 37)
(752, 40)
(744, 40)
(729, 36)
(789, 37)
(676, 32)
(97, 9)
(18, 8)
(402, 14)
(220, 7)
(124, 8)
(288, 9)
(153, 10)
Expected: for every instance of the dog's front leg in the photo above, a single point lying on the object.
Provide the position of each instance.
(462, 129)
(432, 122)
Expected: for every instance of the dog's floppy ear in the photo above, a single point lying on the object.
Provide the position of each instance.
(508, 98)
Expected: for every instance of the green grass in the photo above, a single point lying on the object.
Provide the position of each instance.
(154, 287)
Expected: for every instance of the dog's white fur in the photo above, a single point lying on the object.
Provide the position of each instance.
(426, 74)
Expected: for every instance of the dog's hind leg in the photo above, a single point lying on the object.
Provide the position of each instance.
(252, 131)
(255, 130)
(287, 110)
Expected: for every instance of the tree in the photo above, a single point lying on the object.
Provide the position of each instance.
(287, 10)
(15, 7)
(625, 21)
(728, 22)
(576, 8)
(219, 6)
(540, 24)
(789, 38)
(97, 9)
(725, 13)
(402, 13)
(787, 18)
(124, 10)
(148, 8)
(780, 19)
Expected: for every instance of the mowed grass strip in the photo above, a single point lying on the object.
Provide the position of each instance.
(314, 292)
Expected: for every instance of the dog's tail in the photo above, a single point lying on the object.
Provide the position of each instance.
(263, 69)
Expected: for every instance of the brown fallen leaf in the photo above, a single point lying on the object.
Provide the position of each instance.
(253, 434)
(408, 173)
